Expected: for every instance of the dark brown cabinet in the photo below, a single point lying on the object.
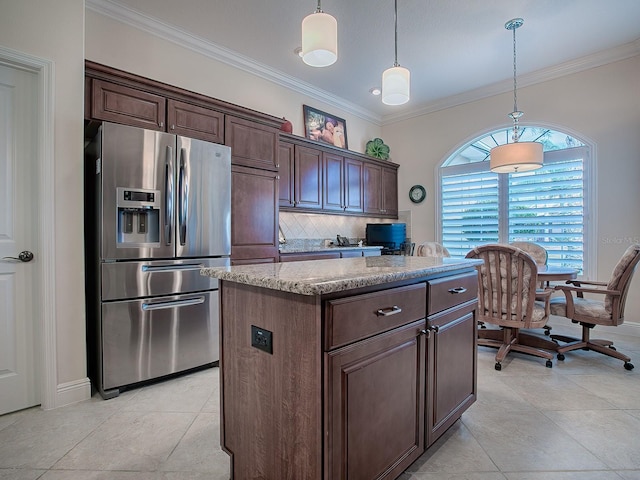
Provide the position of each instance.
(194, 121)
(121, 104)
(381, 190)
(252, 144)
(376, 405)
(359, 382)
(286, 161)
(353, 185)
(307, 178)
(333, 177)
(316, 177)
(254, 213)
(451, 379)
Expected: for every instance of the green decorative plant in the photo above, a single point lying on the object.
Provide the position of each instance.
(377, 149)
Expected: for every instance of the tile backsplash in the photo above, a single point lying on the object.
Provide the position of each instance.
(315, 225)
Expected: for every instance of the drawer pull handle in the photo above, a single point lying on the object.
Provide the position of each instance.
(385, 312)
(457, 290)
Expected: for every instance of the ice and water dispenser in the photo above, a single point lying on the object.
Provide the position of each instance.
(138, 217)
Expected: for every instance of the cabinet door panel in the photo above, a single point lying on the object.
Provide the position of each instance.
(254, 214)
(195, 122)
(128, 106)
(308, 178)
(390, 192)
(252, 144)
(285, 171)
(353, 185)
(375, 396)
(372, 189)
(452, 374)
(333, 191)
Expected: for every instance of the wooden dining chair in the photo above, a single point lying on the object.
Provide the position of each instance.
(538, 252)
(432, 249)
(541, 256)
(606, 309)
(507, 282)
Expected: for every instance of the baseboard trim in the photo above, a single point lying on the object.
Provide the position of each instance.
(72, 392)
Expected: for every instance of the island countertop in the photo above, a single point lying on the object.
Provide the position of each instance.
(320, 277)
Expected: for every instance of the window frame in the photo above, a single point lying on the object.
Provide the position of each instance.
(586, 152)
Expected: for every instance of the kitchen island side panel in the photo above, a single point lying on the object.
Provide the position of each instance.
(271, 403)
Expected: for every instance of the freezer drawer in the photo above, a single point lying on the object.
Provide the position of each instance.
(151, 278)
(149, 338)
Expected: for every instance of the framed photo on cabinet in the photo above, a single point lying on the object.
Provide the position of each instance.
(324, 127)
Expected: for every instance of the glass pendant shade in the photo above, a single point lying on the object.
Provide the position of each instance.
(395, 85)
(516, 157)
(319, 39)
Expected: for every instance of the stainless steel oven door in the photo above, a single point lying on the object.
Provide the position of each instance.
(126, 280)
(150, 338)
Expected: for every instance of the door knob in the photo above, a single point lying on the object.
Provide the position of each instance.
(25, 256)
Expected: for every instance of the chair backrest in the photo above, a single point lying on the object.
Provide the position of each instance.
(432, 249)
(538, 252)
(507, 281)
(620, 281)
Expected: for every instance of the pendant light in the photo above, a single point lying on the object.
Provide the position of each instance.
(395, 80)
(517, 156)
(319, 39)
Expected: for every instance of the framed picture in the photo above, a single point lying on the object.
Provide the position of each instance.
(324, 127)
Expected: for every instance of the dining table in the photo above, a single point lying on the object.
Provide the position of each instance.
(551, 273)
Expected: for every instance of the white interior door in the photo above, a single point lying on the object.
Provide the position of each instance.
(19, 284)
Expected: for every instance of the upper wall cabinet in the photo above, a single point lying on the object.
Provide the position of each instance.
(315, 177)
(252, 145)
(195, 122)
(121, 104)
(121, 97)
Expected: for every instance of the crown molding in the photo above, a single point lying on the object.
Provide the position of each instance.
(124, 14)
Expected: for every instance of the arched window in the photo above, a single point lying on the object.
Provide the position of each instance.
(548, 206)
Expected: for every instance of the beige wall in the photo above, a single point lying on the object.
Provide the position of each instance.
(601, 104)
(54, 31)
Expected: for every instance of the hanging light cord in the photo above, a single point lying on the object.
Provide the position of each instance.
(395, 17)
(516, 114)
(319, 9)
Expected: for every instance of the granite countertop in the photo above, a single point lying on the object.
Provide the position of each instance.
(317, 277)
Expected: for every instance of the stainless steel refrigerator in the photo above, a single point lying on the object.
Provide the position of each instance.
(158, 209)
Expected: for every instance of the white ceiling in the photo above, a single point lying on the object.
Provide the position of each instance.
(456, 50)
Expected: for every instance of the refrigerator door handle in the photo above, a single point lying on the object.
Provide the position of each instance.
(172, 304)
(168, 195)
(171, 268)
(183, 195)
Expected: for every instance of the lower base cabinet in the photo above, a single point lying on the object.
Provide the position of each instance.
(358, 383)
(375, 405)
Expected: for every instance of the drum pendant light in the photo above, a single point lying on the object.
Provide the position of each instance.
(395, 80)
(319, 39)
(516, 156)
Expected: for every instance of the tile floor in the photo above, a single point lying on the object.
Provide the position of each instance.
(577, 420)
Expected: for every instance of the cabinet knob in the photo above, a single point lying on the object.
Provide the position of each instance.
(161, 124)
(173, 127)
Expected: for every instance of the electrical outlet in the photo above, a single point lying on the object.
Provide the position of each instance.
(262, 339)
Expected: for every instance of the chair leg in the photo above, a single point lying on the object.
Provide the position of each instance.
(512, 339)
(604, 347)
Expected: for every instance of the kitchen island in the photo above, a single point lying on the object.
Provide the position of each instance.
(343, 369)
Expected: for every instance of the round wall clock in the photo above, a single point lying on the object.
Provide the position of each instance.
(417, 193)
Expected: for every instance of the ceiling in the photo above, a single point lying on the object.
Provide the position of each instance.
(456, 50)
